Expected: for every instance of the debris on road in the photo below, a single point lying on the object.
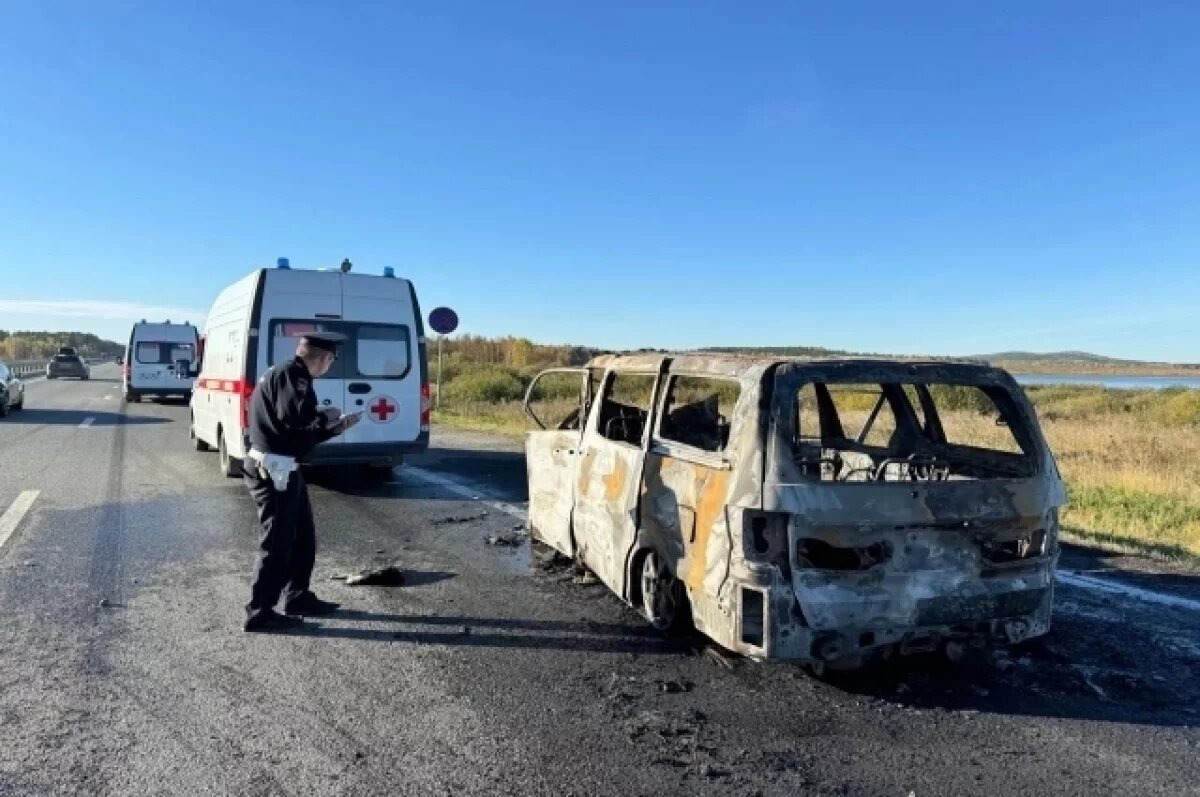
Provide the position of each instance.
(718, 657)
(674, 687)
(390, 576)
(510, 539)
(459, 519)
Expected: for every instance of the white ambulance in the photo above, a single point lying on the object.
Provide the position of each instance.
(381, 369)
(160, 360)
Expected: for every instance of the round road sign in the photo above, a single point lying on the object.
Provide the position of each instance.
(443, 320)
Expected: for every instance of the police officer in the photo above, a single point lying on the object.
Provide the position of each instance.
(285, 426)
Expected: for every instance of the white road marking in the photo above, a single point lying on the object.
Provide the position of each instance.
(13, 515)
(87, 422)
(466, 490)
(1114, 587)
(474, 493)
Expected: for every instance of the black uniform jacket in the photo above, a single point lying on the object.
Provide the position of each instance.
(283, 412)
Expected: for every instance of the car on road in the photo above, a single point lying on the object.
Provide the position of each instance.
(827, 512)
(12, 390)
(68, 365)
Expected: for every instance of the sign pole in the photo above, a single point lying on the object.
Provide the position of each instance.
(443, 321)
(439, 384)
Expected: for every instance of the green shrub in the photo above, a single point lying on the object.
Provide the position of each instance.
(491, 385)
(1181, 408)
(558, 387)
(961, 397)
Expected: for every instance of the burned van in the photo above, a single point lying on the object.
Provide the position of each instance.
(817, 511)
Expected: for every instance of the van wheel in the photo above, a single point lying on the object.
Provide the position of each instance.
(133, 397)
(230, 466)
(197, 443)
(664, 602)
(3, 406)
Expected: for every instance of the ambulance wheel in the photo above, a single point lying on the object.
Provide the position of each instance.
(664, 602)
(231, 467)
(197, 443)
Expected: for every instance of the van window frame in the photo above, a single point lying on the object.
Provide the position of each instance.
(1001, 390)
(665, 446)
(356, 326)
(602, 395)
(336, 371)
(346, 367)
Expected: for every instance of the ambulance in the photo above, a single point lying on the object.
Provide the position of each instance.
(160, 360)
(381, 369)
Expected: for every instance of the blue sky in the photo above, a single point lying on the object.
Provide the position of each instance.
(945, 178)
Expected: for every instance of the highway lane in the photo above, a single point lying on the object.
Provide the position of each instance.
(123, 668)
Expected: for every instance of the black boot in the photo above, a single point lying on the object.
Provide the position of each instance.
(271, 621)
(306, 603)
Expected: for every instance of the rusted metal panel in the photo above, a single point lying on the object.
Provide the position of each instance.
(606, 506)
(550, 459)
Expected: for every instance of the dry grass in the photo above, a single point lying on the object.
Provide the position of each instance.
(1131, 483)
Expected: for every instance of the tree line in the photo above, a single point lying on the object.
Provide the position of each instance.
(28, 345)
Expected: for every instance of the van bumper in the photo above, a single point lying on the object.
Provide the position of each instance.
(770, 623)
(162, 392)
(382, 454)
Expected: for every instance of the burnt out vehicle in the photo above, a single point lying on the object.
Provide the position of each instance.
(816, 511)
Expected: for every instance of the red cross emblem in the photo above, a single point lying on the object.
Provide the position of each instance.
(382, 409)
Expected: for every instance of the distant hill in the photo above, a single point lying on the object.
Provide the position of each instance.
(1059, 362)
(1085, 363)
(1056, 356)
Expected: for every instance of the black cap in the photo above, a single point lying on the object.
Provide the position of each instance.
(328, 341)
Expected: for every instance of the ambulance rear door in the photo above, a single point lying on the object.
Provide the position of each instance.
(296, 303)
(382, 368)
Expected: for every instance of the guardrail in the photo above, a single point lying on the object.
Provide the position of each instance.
(24, 368)
(29, 367)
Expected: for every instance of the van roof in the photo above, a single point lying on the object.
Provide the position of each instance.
(734, 364)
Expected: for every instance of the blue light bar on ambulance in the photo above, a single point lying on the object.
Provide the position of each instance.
(282, 263)
(388, 271)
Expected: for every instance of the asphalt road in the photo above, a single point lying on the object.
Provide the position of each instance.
(123, 669)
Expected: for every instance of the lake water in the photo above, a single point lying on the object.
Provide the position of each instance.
(1118, 382)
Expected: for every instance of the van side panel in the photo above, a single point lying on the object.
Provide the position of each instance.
(216, 401)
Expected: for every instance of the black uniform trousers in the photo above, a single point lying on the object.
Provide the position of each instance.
(289, 539)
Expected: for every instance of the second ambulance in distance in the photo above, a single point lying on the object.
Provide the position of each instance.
(381, 370)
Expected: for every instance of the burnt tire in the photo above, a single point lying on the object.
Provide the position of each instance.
(664, 601)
